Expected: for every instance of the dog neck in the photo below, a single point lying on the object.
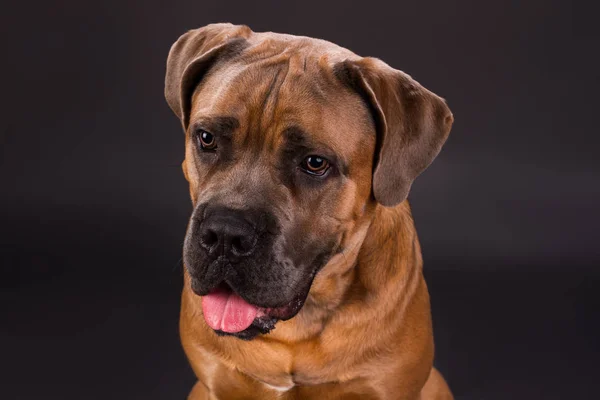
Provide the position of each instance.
(392, 246)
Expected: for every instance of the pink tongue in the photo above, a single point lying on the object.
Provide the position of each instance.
(226, 311)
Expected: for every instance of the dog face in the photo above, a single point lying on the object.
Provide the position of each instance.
(290, 145)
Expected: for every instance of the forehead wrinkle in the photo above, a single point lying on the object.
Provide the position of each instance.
(263, 118)
(290, 77)
(260, 82)
(271, 97)
(266, 101)
(209, 94)
(241, 93)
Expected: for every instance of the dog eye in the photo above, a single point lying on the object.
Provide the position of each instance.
(315, 165)
(207, 140)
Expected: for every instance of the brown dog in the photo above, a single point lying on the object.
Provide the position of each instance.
(302, 265)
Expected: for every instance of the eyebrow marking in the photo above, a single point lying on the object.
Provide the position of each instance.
(296, 141)
(218, 125)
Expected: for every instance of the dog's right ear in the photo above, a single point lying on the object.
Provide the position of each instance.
(191, 57)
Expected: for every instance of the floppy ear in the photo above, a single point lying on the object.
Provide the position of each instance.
(192, 55)
(412, 124)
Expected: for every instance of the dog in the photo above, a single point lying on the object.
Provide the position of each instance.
(302, 267)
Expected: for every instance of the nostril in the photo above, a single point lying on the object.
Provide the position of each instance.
(242, 245)
(236, 243)
(209, 238)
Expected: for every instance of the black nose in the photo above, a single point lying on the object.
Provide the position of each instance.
(227, 234)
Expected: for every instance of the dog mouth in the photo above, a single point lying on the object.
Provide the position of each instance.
(227, 313)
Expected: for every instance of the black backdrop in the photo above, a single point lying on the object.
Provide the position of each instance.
(93, 204)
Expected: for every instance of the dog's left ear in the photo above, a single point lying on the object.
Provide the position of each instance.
(412, 124)
(193, 55)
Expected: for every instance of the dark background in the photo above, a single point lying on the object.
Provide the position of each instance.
(93, 204)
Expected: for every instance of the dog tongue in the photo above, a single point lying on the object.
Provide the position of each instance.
(226, 311)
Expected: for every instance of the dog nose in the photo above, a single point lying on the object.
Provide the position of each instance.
(227, 235)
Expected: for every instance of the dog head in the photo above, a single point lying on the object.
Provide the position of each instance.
(291, 142)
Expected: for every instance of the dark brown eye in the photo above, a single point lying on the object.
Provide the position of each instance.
(315, 165)
(207, 140)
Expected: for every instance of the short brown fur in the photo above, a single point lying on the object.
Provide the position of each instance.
(365, 329)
